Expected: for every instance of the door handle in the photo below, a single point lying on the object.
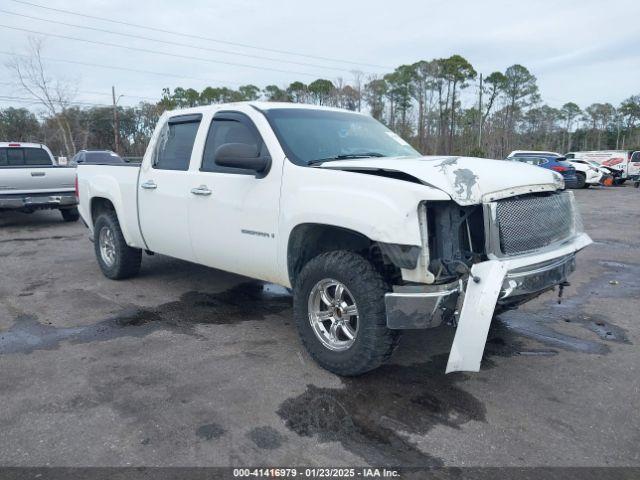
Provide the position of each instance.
(38, 174)
(149, 185)
(201, 190)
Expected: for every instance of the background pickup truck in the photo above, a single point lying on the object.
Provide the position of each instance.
(373, 237)
(30, 181)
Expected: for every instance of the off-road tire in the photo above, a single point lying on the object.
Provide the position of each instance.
(374, 342)
(70, 214)
(127, 259)
(582, 180)
(619, 181)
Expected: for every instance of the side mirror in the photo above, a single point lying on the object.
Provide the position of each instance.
(241, 155)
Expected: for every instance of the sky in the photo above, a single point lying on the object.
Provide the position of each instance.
(581, 51)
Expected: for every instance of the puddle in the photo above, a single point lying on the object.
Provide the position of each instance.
(371, 414)
(244, 302)
(607, 242)
(502, 343)
(210, 431)
(621, 280)
(42, 239)
(266, 438)
(543, 326)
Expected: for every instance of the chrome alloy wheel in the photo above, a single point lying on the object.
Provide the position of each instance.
(333, 314)
(107, 244)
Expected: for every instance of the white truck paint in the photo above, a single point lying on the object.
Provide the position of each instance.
(30, 180)
(264, 190)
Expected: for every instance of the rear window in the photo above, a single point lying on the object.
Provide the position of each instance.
(17, 157)
(102, 157)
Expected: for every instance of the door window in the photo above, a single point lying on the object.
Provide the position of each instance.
(36, 156)
(175, 143)
(230, 128)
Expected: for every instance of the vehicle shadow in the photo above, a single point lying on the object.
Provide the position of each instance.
(31, 221)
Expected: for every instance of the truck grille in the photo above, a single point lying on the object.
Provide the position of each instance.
(533, 222)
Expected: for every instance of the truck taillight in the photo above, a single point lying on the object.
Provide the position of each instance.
(77, 189)
(559, 168)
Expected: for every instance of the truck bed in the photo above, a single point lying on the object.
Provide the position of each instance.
(116, 184)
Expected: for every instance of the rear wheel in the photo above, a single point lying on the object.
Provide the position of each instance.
(70, 214)
(619, 181)
(117, 260)
(582, 180)
(340, 313)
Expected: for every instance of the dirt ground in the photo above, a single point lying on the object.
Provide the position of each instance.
(189, 366)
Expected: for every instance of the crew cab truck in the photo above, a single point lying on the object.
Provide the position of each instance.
(29, 181)
(372, 237)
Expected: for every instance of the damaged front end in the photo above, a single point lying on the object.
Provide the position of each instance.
(499, 254)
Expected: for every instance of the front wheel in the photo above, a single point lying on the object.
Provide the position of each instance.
(117, 260)
(340, 313)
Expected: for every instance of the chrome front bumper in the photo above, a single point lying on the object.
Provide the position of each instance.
(35, 201)
(428, 306)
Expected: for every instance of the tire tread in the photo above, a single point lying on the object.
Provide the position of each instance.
(129, 259)
(378, 342)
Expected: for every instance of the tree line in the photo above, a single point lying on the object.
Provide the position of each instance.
(429, 103)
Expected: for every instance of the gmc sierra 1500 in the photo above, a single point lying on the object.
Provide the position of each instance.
(372, 237)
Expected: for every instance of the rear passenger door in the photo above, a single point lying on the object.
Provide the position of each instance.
(163, 188)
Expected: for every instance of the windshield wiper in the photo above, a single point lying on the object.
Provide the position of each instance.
(346, 157)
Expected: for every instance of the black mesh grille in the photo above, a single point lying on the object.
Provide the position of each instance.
(530, 223)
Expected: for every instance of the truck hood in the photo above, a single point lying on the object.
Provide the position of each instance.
(467, 180)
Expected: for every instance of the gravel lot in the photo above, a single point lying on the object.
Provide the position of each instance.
(186, 365)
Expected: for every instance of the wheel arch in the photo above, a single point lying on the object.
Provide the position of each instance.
(308, 240)
(99, 205)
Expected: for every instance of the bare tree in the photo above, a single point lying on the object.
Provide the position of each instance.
(54, 95)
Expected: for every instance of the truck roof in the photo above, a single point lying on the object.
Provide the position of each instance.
(260, 106)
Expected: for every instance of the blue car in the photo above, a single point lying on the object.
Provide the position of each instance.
(552, 161)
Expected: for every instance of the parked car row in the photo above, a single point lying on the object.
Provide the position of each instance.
(623, 165)
(583, 169)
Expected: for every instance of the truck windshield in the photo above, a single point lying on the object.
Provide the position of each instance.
(315, 136)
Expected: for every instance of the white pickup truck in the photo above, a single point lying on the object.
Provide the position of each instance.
(29, 181)
(373, 237)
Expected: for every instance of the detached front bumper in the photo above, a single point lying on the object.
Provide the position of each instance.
(502, 281)
(38, 200)
(421, 307)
